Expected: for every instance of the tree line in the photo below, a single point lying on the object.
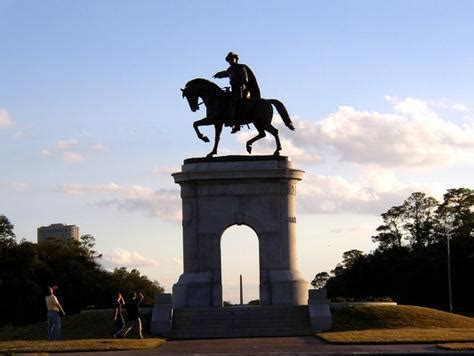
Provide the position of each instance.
(410, 263)
(27, 269)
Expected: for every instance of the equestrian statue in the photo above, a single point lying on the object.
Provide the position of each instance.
(240, 106)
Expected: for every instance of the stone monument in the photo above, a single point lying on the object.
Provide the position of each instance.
(219, 192)
(259, 192)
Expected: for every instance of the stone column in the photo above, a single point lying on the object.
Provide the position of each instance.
(259, 192)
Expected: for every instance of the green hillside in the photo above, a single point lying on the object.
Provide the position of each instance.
(396, 316)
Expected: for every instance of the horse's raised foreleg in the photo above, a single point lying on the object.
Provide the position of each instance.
(261, 134)
(203, 122)
(218, 128)
(274, 131)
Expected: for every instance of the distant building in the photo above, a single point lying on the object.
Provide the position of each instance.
(58, 232)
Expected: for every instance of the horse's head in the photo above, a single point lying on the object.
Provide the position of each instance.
(193, 98)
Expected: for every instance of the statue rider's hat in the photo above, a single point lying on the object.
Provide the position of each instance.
(230, 56)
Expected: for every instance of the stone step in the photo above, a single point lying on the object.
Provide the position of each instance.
(280, 320)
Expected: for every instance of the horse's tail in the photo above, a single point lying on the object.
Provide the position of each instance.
(283, 113)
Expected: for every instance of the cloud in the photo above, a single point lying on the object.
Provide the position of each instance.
(267, 146)
(65, 144)
(69, 156)
(124, 258)
(46, 153)
(17, 185)
(322, 194)
(176, 261)
(163, 203)
(164, 171)
(352, 229)
(413, 136)
(5, 119)
(98, 147)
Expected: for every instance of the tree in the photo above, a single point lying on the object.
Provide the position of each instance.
(419, 219)
(456, 213)
(390, 232)
(320, 280)
(6, 228)
(350, 258)
(409, 265)
(128, 282)
(87, 242)
(26, 269)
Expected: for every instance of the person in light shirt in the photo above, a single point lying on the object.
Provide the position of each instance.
(55, 311)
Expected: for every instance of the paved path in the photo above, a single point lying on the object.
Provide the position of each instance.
(298, 345)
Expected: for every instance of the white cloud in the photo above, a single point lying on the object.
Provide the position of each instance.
(46, 153)
(163, 203)
(267, 146)
(124, 258)
(322, 194)
(5, 119)
(72, 156)
(65, 144)
(98, 147)
(414, 136)
(460, 108)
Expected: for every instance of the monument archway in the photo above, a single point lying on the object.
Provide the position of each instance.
(259, 192)
(240, 256)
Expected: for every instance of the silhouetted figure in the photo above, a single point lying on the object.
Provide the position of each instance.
(258, 112)
(243, 87)
(133, 312)
(119, 322)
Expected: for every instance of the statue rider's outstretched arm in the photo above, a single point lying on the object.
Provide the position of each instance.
(222, 74)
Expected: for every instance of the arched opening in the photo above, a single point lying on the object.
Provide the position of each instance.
(240, 256)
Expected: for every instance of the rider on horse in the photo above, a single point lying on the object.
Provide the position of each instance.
(243, 87)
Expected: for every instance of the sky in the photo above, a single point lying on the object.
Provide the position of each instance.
(92, 122)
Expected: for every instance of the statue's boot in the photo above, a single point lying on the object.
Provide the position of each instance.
(237, 117)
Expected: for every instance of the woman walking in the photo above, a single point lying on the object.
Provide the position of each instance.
(119, 322)
(54, 316)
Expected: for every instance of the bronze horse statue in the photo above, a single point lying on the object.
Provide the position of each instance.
(259, 112)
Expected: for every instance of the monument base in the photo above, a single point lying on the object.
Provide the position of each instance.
(217, 193)
(284, 288)
(161, 315)
(195, 290)
(319, 311)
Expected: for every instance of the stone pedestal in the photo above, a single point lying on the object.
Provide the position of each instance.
(161, 315)
(319, 311)
(259, 192)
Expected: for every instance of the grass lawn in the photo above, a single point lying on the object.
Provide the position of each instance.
(81, 332)
(89, 325)
(78, 345)
(398, 324)
(402, 335)
(457, 346)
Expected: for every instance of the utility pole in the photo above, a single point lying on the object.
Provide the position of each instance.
(241, 292)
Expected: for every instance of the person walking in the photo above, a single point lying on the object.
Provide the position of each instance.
(133, 312)
(55, 310)
(119, 322)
